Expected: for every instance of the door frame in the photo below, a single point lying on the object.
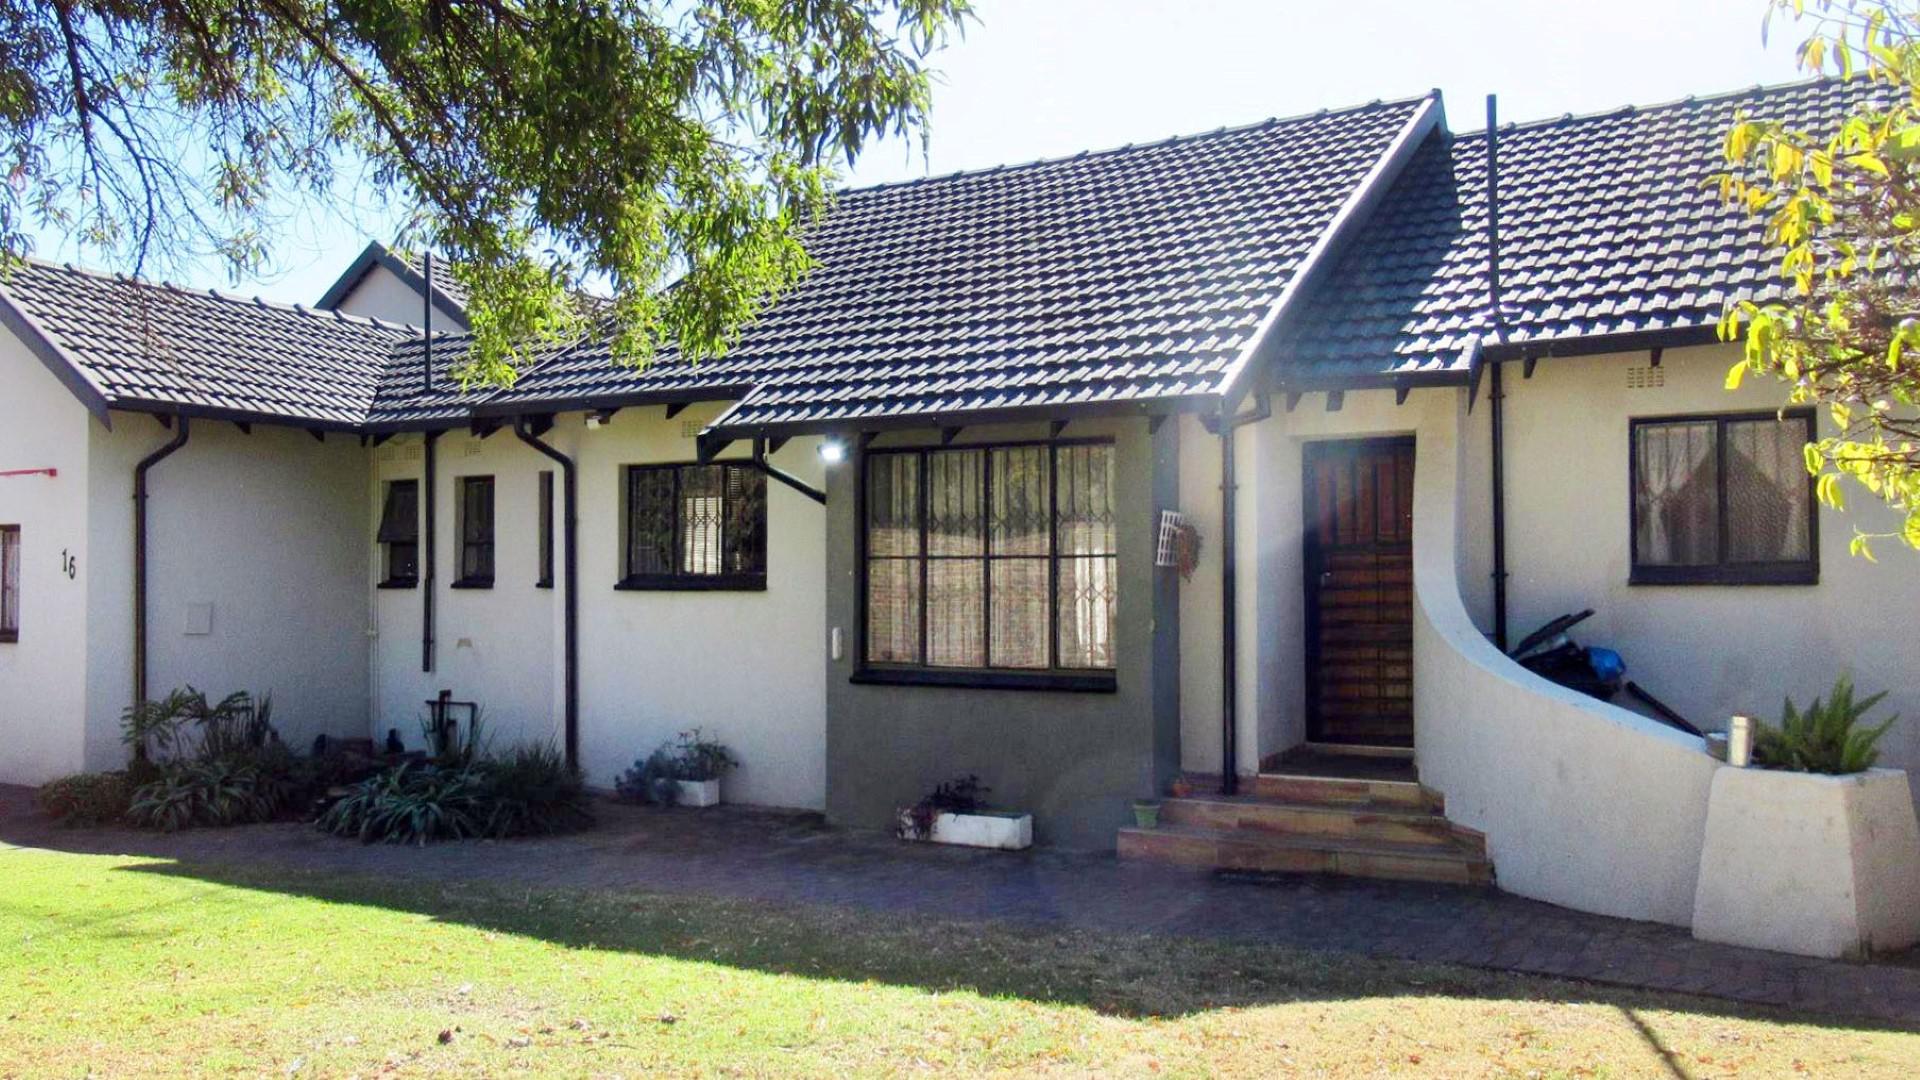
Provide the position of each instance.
(1310, 452)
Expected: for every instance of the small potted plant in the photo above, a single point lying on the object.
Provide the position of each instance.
(1146, 813)
(683, 772)
(956, 812)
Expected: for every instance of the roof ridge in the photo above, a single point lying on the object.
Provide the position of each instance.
(1171, 140)
(117, 278)
(1630, 109)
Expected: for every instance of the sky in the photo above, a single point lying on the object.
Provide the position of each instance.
(1048, 78)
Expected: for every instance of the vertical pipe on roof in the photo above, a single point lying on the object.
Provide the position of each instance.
(1496, 392)
(140, 555)
(1229, 644)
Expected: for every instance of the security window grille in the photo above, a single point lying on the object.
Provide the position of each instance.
(476, 533)
(9, 583)
(1723, 500)
(399, 535)
(696, 527)
(991, 558)
(545, 581)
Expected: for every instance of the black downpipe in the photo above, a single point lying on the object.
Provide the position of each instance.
(1497, 393)
(140, 554)
(427, 559)
(570, 601)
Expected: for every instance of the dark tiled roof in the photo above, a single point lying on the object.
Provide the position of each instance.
(1608, 226)
(143, 344)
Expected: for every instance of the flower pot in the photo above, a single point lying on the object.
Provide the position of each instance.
(1146, 813)
(1807, 863)
(1004, 830)
(698, 792)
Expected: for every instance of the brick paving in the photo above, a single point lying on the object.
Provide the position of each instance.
(795, 859)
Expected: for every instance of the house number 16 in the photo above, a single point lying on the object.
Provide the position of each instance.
(69, 565)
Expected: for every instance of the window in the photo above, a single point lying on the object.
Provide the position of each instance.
(545, 581)
(996, 560)
(1723, 500)
(9, 583)
(695, 527)
(399, 535)
(476, 533)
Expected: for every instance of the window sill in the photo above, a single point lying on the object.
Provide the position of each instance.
(1764, 574)
(472, 583)
(693, 583)
(1087, 682)
(399, 583)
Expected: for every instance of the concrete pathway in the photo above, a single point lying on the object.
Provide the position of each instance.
(793, 858)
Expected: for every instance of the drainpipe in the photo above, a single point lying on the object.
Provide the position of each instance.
(570, 627)
(1229, 591)
(140, 554)
(427, 556)
(1497, 395)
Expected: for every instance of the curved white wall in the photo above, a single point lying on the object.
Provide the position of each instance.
(1583, 804)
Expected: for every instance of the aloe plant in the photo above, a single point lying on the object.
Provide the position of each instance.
(1827, 737)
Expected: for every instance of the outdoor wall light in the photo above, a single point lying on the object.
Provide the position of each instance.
(833, 451)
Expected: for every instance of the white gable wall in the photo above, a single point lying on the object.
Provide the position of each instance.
(43, 675)
(383, 294)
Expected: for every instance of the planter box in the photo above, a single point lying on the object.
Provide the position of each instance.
(1817, 865)
(698, 792)
(988, 829)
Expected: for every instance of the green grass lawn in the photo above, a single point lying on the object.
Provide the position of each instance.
(137, 967)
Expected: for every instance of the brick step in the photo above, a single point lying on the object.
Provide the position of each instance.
(1337, 791)
(1386, 822)
(1259, 851)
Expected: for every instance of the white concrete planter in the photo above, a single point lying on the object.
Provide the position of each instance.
(1816, 865)
(698, 792)
(988, 829)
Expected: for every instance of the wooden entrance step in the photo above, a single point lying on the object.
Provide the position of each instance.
(1314, 824)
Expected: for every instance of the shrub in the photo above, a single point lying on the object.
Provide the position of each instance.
(411, 804)
(960, 795)
(1827, 738)
(224, 792)
(651, 780)
(530, 791)
(87, 798)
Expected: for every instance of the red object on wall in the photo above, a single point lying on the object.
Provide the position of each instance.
(29, 472)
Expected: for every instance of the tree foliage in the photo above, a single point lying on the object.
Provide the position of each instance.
(538, 143)
(1843, 207)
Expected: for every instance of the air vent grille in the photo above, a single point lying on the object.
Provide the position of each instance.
(1646, 377)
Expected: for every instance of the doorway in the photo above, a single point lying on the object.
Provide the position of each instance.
(1358, 556)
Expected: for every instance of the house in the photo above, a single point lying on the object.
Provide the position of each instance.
(911, 526)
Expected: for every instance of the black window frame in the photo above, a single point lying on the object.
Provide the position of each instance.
(1051, 678)
(544, 519)
(11, 544)
(389, 579)
(1721, 572)
(482, 543)
(680, 579)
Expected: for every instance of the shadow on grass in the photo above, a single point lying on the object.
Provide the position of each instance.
(1113, 972)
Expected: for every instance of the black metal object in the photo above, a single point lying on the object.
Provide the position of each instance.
(1662, 710)
(427, 554)
(1496, 392)
(442, 728)
(570, 595)
(140, 470)
(1549, 653)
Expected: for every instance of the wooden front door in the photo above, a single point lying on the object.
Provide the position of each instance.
(1359, 591)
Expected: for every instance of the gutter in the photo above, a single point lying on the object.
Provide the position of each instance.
(1346, 224)
(570, 561)
(180, 432)
(1229, 595)
(427, 559)
(1496, 392)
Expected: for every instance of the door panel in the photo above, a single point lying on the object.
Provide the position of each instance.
(1359, 591)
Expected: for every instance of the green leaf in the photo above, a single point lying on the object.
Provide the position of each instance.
(1735, 374)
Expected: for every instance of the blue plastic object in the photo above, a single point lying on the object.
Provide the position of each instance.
(1606, 664)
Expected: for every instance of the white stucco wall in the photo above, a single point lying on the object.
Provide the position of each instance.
(746, 667)
(382, 294)
(43, 675)
(1709, 651)
(267, 529)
